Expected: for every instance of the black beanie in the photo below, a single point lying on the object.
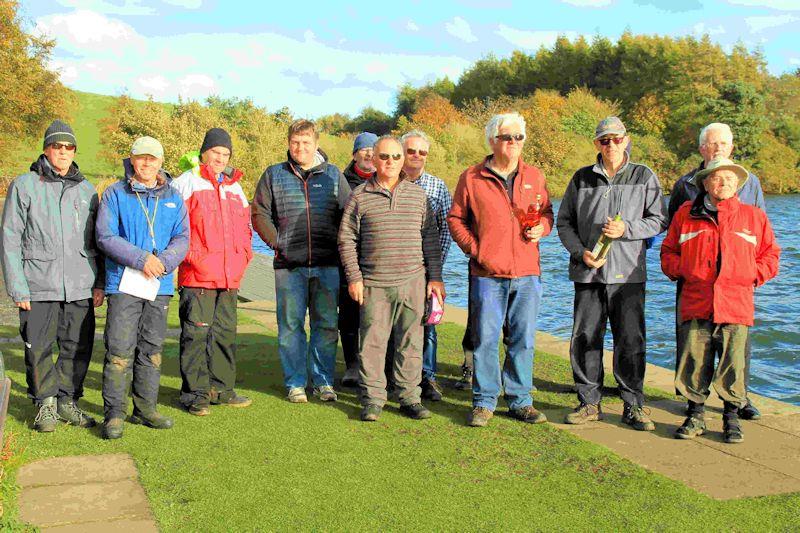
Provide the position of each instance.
(58, 132)
(216, 137)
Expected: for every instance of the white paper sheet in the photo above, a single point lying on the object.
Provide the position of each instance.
(135, 283)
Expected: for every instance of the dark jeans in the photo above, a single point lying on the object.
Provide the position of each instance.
(623, 306)
(134, 335)
(348, 324)
(208, 344)
(71, 325)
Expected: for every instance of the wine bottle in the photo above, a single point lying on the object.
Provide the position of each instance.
(601, 249)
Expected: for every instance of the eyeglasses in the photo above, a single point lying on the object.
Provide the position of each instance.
(411, 151)
(506, 137)
(608, 140)
(385, 157)
(65, 146)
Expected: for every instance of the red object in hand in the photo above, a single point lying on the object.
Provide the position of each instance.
(530, 218)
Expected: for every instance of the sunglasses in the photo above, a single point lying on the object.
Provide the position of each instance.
(506, 137)
(66, 146)
(411, 151)
(385, 157)
(615, 140)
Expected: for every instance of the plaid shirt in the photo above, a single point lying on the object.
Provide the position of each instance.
(441, 201)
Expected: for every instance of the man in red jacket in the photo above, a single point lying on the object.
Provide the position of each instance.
(488, 223)
(219, 251)
(721, 249)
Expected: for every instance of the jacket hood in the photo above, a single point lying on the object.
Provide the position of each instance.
(230, 175)
(43, 168)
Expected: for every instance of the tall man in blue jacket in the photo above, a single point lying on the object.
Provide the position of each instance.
(716, 140)
(143, 229)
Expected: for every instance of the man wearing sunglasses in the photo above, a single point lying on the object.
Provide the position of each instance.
(505, 287)
(611, 288)
(388, 242)
(54, 275)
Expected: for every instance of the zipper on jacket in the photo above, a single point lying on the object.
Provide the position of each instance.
(308, 217)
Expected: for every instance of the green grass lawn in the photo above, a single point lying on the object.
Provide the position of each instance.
(282, 466)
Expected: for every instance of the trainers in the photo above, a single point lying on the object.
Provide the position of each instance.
(47, 418)
(198, 409)
(585, 412)
(153, 420)
(528, 414)
(692, 427)
(297, 395)
(237, 400)
(350, 378)
(417, 411)
(749, 412)
(732, 431)
(636, 417)
(69, 412)
(112, 428)
(431, 390)
(371, 412)
(326, 393)
(465, 383)
(479, 417)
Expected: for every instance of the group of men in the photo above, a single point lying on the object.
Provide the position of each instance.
(361, 252)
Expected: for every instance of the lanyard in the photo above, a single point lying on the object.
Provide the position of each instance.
(150, 222)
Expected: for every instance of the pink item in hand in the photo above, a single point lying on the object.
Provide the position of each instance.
(433, 311)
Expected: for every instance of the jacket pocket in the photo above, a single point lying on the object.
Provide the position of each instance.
(39, 267)
(37, 253)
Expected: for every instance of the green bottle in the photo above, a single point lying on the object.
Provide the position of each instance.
(601, 249)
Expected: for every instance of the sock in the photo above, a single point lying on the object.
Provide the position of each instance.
(697, 410)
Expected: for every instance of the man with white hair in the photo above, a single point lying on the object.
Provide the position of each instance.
(488, 222)
(716, 140)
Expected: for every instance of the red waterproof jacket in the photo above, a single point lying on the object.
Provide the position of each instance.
(720, 262)
(483, 223)
(220, 246)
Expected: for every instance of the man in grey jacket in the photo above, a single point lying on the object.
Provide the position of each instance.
(53, 275)
(621, 201)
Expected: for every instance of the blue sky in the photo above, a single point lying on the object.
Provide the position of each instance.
(323, 57)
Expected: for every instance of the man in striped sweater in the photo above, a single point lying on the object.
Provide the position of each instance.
(389, 247)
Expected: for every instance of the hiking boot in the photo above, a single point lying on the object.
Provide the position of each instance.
(636, 417)
(350, 378)
(153, 420)
(371, 412)
(69, 412)
(237, 400)
(465, 383)
(112, 428)
(692, 427)
(585, 412)
(479, 417)
(417, 411)
(749, 412)
(326, 393)
(431, 390)
(528, 414)
(47, 418)
(732, 431)
(198, 409)
(297, 395)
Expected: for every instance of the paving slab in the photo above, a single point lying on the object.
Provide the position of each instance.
(78, 469)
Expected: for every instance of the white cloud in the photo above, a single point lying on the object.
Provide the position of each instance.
(188, 4)
(412, 26)
(759, 24)
(701, 29)
(128, 7)
(157, 86)
(588, 3)
(782, 5)
(460, 29)
(197, 86)
(531, 40)
(83, 29)
(794, 60)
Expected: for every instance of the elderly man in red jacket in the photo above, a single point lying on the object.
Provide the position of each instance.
(721, 249)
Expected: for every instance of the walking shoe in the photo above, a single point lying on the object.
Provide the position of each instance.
(153, 420)
(585, 412)
(69, 412)
(350, 378)
(732, 431)
(635, 416)
(528, 414)
(692, 427)
(237, 400)
(479, 417)
(431, 390)
(417, 411)
(112, 428)
(47, 418)
(371, 412)
(198, 409)
(326, 393)
(465, 383)
(749, 412)
(297, 395)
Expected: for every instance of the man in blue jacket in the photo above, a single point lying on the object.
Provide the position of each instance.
(143, 229)
(716, 140)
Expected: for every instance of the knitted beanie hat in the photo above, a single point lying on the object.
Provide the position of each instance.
(58, 132)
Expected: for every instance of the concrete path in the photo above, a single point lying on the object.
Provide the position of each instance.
(86, 494)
